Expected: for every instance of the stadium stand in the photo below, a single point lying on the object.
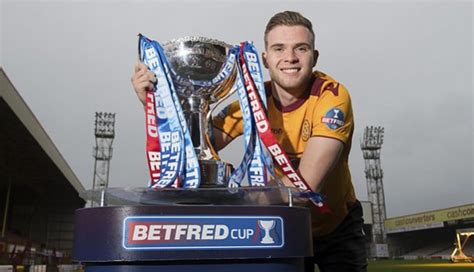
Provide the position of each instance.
(430, 234)
(435, 250)
(39, 192)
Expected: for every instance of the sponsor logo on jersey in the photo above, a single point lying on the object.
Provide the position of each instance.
(333, 119)
(202, 232)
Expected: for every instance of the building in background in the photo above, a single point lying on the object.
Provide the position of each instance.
(39, 192)
(430, 234)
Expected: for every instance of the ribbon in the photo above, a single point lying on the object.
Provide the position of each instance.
(264, 131)
(170, 152)
(173, 139)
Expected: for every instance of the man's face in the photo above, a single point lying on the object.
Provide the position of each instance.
(290, 57)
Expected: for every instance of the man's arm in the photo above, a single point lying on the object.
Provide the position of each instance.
(319, 157)
(221, 139)
(227, 125)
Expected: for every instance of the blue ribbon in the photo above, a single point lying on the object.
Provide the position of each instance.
(261, 158)
(192, 175)
(177, 151)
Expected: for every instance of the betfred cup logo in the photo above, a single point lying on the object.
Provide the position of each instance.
(202, 232)
(267, 226)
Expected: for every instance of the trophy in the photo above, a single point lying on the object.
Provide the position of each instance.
(196, 64)
(267, 226)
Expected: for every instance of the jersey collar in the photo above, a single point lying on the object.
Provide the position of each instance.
(315, 84)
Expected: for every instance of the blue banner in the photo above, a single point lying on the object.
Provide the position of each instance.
(202, 232)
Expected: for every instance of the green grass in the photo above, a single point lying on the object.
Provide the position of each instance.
(419, 266)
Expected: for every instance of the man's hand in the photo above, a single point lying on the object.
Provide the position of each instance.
(143, 81)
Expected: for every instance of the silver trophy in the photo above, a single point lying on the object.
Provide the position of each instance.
(196, 62)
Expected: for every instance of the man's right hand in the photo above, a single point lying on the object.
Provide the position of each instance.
(143, 81)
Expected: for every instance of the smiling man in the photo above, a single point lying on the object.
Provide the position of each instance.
(311, 116)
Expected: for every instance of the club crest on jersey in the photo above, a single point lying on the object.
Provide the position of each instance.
(305, 130)
(333, 119)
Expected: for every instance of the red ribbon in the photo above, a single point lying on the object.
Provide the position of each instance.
(152, 140)
(265, 133)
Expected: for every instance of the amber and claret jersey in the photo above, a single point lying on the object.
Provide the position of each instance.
(324, 111)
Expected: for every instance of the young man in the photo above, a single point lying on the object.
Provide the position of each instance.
(311, 116)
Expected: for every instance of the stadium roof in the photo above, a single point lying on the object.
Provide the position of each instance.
(28, 157)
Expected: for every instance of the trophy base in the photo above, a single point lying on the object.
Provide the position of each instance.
(259, 196)
(214, 174)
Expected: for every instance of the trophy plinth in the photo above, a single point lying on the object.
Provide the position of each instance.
(197, 64)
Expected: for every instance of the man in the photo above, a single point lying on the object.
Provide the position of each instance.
(311, 116)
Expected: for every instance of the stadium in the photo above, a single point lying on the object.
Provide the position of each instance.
(40, 192)
(432, 234)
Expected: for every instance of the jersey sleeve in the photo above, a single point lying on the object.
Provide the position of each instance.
(332, 115)
(229, 120)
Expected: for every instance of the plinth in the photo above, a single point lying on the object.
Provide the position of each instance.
(245, 229)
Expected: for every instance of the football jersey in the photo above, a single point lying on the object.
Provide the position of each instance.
(324, 111)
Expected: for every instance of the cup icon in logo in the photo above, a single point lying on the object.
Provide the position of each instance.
(267, 226)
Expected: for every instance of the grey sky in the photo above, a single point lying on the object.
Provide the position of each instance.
(407, 65)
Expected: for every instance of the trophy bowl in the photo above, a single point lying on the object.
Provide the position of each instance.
(196, 62)
(203, 73)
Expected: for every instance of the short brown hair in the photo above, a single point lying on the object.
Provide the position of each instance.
(289, 18)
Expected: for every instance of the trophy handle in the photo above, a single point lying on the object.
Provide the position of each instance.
(220, 102)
